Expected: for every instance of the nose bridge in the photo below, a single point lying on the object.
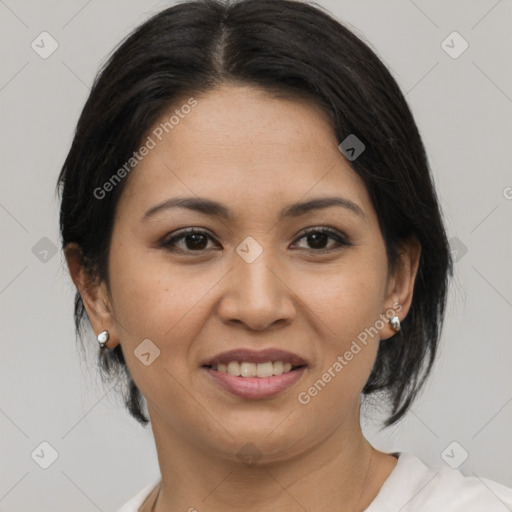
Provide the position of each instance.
(257, 296)
(253, 266)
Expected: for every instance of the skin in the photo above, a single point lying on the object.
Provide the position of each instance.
(255, 154)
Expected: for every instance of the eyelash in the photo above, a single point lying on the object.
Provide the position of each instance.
(341, 240)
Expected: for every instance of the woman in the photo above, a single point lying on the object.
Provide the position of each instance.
(250, 221)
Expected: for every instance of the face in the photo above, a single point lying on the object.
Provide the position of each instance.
(300, 284)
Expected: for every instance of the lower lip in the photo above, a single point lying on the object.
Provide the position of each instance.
(256, 387)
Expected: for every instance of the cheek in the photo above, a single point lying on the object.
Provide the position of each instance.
(151, 295)
(164, 302)
(155, 301)
(345, 307)
(349, 298)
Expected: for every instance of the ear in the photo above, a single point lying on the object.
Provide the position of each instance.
(400, 285)
(94, 295)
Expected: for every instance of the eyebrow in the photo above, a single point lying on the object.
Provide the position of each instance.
(215, 209)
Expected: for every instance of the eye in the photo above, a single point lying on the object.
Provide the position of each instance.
(317, 238)
(195, 240)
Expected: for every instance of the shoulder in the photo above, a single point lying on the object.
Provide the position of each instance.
(136, 501)
(412, 486)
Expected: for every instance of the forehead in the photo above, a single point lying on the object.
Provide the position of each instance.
(240, 145)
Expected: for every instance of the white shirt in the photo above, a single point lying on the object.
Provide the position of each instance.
(414, 487)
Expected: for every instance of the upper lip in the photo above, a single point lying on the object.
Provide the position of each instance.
(255, 356)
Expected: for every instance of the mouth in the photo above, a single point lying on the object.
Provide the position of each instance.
(255, 374)
(260, 370)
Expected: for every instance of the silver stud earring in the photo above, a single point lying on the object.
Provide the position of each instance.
(103, 338)
(395, 323)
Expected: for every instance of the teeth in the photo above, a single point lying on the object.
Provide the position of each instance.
(234, 368)
(248, 370)
(262, 370)
(278, 368)
(265, 369)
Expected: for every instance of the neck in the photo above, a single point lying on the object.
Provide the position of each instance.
(335, 474)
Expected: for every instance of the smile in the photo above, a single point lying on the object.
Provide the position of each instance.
(261, 370)
(255, 374)
(255, 387)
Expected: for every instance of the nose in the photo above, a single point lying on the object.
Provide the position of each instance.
(258, 294)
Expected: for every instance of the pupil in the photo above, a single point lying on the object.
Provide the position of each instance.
(317, 237)
(196, 241)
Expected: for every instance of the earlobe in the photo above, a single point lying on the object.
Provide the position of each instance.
(401, 285)
(393, 315)
(94, 295)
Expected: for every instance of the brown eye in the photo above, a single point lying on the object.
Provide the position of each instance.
(195, 240)
(317, 239)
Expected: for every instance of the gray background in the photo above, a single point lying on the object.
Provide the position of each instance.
(463, 108)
